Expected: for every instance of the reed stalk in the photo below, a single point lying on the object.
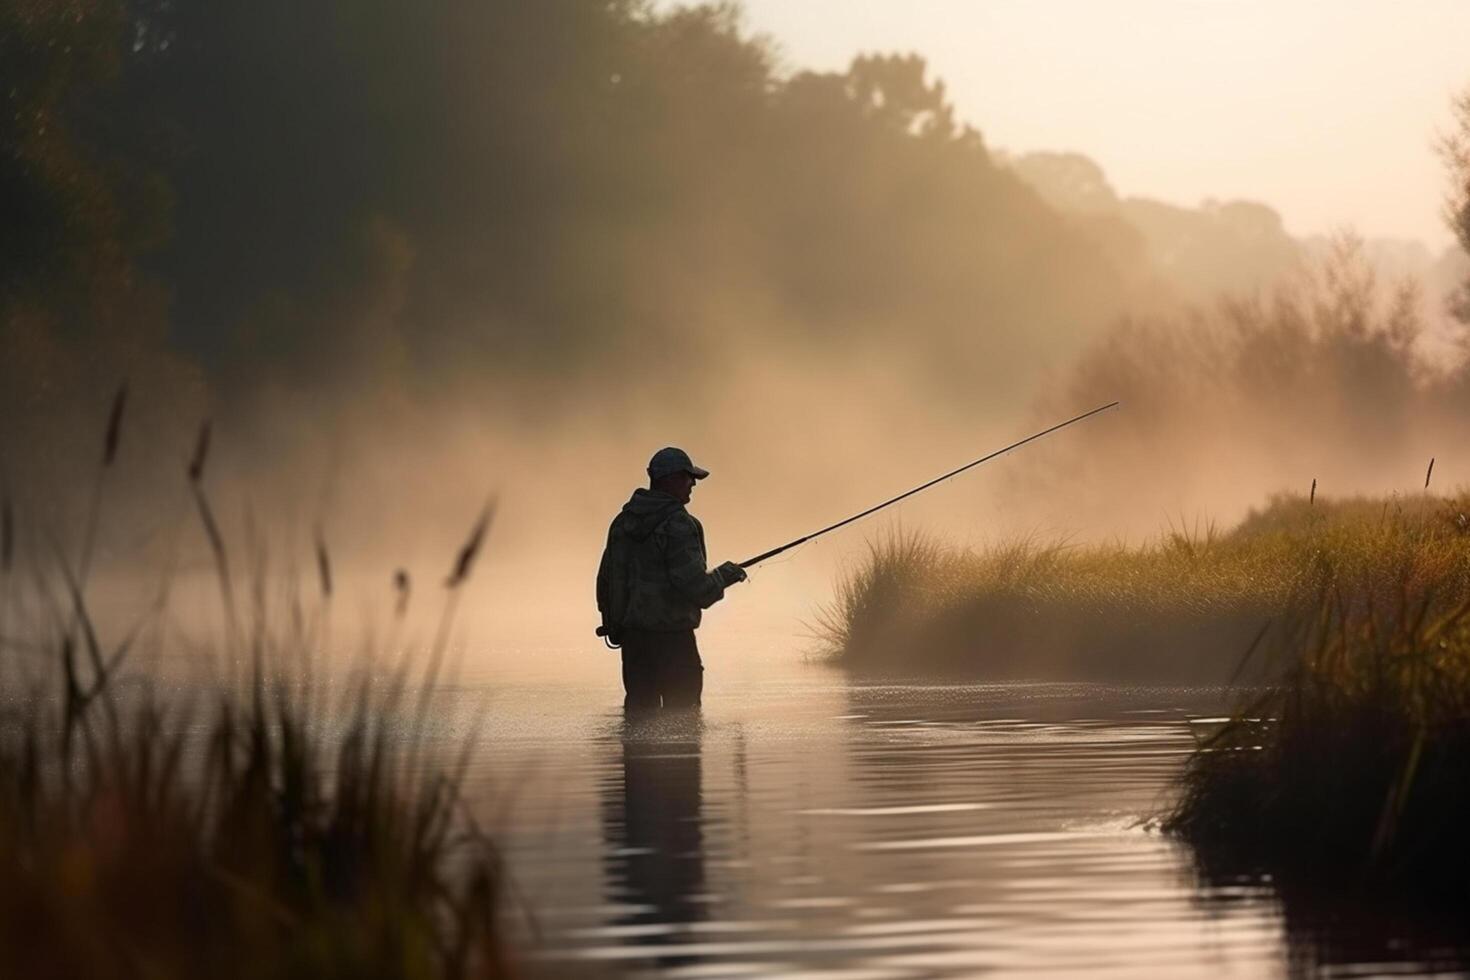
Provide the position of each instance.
(270, 828)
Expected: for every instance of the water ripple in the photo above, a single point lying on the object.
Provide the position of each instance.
(804, 826)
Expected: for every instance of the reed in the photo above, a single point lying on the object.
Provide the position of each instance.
(1353, 765)
(283, 825)
(1180, 607)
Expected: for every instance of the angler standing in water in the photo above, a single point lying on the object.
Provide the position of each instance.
(652, 583)
(652, 586)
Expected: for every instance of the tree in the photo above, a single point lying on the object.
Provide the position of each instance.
(346, 193)
(1068, 181)
(893, 90)
(1455, 150)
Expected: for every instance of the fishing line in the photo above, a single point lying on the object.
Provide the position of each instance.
(750, 562)
(923, 486)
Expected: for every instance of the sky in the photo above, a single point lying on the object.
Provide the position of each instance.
(1326, 110)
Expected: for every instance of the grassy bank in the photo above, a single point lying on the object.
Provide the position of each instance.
(1354, 768)
(1185, 606)
(1346, 769)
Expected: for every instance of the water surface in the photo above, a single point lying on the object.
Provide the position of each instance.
(806, 824)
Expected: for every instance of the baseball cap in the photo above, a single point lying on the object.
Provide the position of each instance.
(671, 460)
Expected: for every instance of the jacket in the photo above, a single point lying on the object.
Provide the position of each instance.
(653, 575)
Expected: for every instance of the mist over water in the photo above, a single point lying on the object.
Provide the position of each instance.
(419, 264)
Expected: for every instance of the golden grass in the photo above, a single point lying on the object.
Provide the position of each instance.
(1186, 603)
(1353, 764)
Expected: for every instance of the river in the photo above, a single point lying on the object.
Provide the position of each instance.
(809, 824)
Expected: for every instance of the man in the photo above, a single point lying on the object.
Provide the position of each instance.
(652, 585)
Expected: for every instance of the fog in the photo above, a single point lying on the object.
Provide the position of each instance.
(408, 263)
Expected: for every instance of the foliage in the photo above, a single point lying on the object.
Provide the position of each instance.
(1325, 378)
(332, 194)
(277, 821)
(1455, 151)
(82, 206)
(1197, 253)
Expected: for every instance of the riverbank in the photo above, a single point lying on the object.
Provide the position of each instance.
(1350, 771)
(1184, 607)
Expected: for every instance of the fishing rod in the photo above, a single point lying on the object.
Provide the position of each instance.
(938, 479)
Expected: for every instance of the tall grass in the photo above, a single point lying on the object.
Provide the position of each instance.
(1183, 606)
(280, 821)
(1357, 762)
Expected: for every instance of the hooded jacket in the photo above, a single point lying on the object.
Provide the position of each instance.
(653, 575)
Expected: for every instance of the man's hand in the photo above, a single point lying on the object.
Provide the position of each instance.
(730, 573)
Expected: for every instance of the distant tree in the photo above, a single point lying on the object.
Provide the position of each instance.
(67, 233)
(1321, 376)
(1237, 246)
(1455, 151)
(1069, 181)
(894, 91)
(339, 195)
(82, 206)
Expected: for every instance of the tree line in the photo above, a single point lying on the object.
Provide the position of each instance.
(222, 197)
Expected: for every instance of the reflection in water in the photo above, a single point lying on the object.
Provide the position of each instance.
(1338, 926)
(651, 819)
(804, 826)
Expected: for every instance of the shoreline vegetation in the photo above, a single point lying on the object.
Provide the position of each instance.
(276, 817)
(1350, 769)
(1344, 765)
(1186, 607)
